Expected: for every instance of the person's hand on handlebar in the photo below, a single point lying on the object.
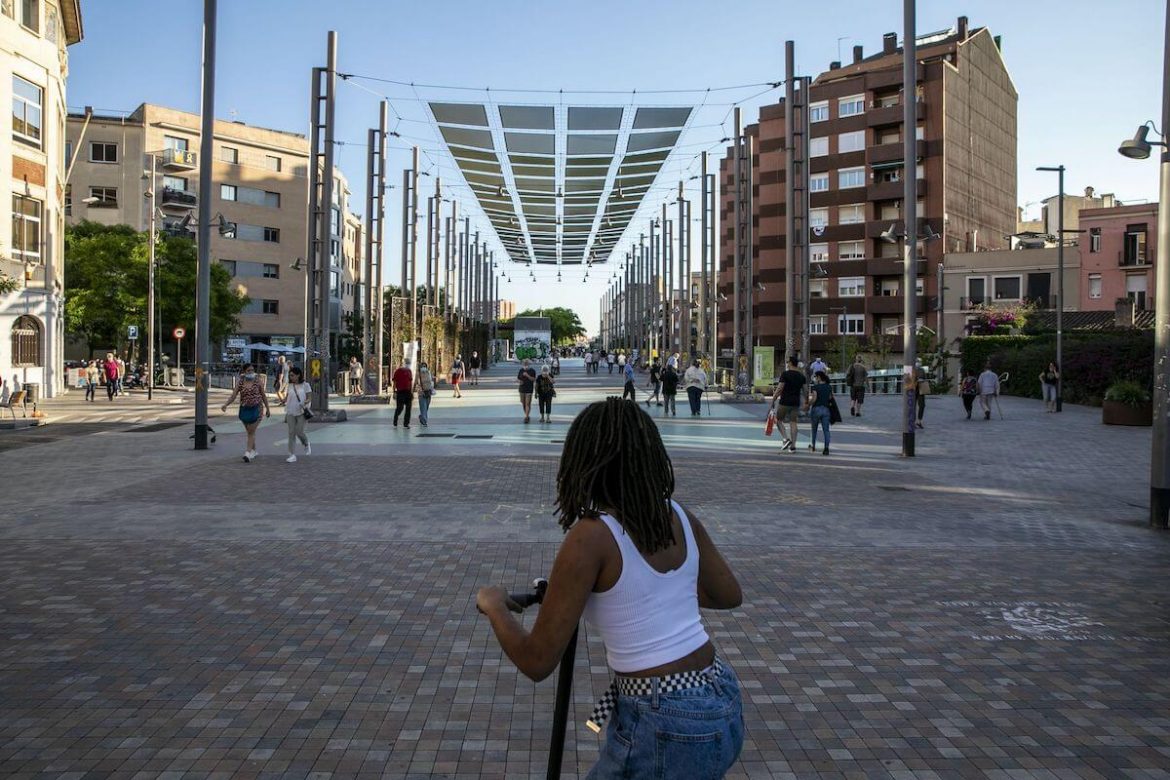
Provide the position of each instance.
(495, 599)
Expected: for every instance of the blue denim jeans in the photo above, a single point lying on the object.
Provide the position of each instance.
(819, 416)
(696, 733)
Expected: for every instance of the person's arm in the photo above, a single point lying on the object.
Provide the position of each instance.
(573, 575)
(228, 402)
(718, 587)
(264, 400)
(779, 390)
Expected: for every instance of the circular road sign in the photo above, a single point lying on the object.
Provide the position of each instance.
(180, 333)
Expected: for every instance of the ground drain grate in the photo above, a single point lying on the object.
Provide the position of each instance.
(894, 488)
(154, 427)
(474, 436)
(435, 435)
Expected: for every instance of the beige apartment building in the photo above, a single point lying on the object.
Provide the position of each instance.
(34, 37)
(261, 191)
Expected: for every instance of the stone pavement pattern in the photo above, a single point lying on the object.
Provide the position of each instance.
(990, 609)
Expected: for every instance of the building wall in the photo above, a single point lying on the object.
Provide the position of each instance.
(507, 310)
(37, 172)
(1105, 257)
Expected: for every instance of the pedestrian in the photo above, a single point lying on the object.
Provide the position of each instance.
(819, 397)
(1049, 378)
(818, 365)
(355, 375)
(5, 393)
(545, 390)
(655, 382)
(633, 560)
(556, 365)
(119, 387)
(526, 378)
(403, 380)
(111, 367)
(253, 405)
(695, 380)
(968, 390)
(670, 381)
(988, 389)
(280, 376)
(786, 402)
(473, 368)
(296, 412)
(673, 361)
(855, 378)
(91, 380)
(610, 359)
(621, 362)
(588, 361)
(627, 371)
(425, 384)
(457, 376)
(922, 388)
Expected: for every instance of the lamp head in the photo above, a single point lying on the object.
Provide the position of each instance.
(888, 235)
(1136, 148)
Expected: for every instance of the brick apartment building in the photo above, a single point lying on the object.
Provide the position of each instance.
(1117, 256)
(966, 169)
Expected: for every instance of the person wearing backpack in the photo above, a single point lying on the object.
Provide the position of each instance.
(855, 378)
(968, 390)
(425, 384)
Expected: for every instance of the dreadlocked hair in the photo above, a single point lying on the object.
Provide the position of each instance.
(614, 460)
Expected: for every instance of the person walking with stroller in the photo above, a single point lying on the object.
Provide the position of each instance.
(252, 401)
(296, 412)
(637, 566)
(545, 390)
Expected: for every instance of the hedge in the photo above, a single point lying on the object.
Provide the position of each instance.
(1092, 361)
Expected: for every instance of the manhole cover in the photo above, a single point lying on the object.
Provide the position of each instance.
(154, 427)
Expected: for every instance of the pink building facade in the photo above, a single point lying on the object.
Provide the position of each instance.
(1117, 256)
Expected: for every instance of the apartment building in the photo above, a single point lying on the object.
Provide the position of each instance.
(261, 192)
(1118, 250)
(965, 165)
(34, 38)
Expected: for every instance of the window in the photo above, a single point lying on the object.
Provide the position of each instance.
(68, 200)
(1094, 239)
(1094, 285)
(976, 291)
(26, 229)
(26, 111)
(68, 153)
(851, 250)
(818, 253)
(850, 177)
(1134, 252)
(851, 106)
(272, 199)
(818, 217)
(1006, 288)
(335, 222)
(818, 112)
(890, 175)
(227, 192)
(230, 265)
(175, 144)
(177, 183)
(818, 325)
(107, 197)
(26, 342)
(270, 306)
(30, 15)
(851, 324)
(229, 154)
(850, 215)
(818, 182)
(272, 235)
(271, 271)
(7, 9)
(851, 142)
(818, 147)
(272, 162)
(102, 152)
(851, 287)
(818, 288)
(1135, 289)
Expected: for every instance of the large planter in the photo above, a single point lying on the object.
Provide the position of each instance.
(1117, 413)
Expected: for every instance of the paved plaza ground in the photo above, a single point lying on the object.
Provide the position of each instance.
(992, 608)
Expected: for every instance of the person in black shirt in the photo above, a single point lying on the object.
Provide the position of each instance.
(473, 367)
(820, 395)
(669, 390)
(786, 402)
(655, 382)
(526, 378)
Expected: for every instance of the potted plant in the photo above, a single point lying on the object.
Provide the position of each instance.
(1127, 403)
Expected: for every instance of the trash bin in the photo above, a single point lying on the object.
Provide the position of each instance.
(32, 393)
(175, 377)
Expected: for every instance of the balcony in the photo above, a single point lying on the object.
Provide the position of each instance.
(890, 190)
(888, 153)
(891, 115)
(885, 304)
(1042, 302)
(969, 303)
(177, 159)
(1131, 259)
(180, 199)
(891, 266)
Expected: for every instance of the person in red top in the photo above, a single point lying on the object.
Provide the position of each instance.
(111, 376)
(403, 381)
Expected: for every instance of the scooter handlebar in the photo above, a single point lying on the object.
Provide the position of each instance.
(536, 596)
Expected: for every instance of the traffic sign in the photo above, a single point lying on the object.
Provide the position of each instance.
(132, 332)
(179, 333)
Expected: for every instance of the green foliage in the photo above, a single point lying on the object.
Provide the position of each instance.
(566, 325)
(8, 284)
(1000, 318)
(1092, 361)
(1127, 392)
(349, 341)
(833, 348)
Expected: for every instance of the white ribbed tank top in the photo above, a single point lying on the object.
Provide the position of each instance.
(648, 618)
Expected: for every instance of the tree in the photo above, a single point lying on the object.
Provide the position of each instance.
(106, 285)
(566, 325)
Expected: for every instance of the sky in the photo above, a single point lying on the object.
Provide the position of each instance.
(1086, 77)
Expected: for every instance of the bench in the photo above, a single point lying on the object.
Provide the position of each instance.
(15, 400)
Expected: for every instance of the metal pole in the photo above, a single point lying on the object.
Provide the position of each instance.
(790, 244)
(367, 303)
(325, 263)
(414, 312)
(802, 247)
(910, 198)
(380, 237)
(704, 258)
(737, 345)
(1059, 284)
(714, 256)
(150, 279)
(1160, 452)
(206, 185)
(403, 286)
(684, 280)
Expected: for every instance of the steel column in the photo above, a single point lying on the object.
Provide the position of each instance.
(910, 209)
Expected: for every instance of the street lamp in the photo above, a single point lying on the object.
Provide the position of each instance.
(1138, 148)
(1059, 171)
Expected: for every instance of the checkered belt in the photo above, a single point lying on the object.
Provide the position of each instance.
(644, 686)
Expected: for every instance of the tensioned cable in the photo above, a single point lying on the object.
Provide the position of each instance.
(529, 90)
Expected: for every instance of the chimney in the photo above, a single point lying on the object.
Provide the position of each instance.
(1108, 200)
(889, 43)
(834, 65)
(857, 54)
(1123, 312)
(1088, 192)
(962, 28)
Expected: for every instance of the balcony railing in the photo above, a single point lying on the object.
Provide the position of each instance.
(969, 303)
(1043, 302)
(1132, 259)
(178, 198)
(178, 159)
